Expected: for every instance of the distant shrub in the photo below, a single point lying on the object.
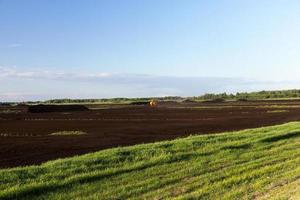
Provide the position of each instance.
(188, 101)
(243, 99)
(217, 100)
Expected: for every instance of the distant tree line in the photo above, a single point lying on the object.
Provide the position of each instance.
(262, 95)
(113, 100)
(239, 96)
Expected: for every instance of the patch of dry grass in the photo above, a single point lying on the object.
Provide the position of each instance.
(63, 133)
(277, 111)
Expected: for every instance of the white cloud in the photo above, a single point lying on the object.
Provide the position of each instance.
(36, 84)
(15, 96)
(14, 45)
(13, 72)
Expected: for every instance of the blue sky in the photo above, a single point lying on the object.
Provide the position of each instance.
(110, 48)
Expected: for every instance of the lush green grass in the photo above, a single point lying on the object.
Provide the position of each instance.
(237, 165)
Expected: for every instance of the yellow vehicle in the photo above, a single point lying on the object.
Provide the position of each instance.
(153, 103)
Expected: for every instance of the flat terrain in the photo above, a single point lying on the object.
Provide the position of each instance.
(261, 163)
(33, 138)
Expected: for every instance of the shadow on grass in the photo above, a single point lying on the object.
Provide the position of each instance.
(282, 137)
(237, 147)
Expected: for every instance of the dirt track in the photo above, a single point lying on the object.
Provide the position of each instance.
(25, 139)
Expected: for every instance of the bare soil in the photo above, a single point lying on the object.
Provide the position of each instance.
(25, 138)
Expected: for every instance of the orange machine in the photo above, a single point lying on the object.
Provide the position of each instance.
(153, 103)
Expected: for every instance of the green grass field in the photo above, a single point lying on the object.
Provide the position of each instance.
(259, 163)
